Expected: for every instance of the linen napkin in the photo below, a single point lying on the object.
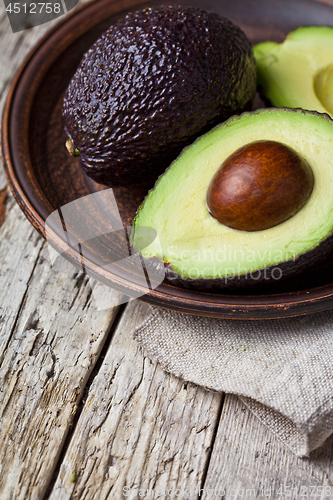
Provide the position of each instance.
(282, 369)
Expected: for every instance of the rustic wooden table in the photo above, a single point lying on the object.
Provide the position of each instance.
(85, 414)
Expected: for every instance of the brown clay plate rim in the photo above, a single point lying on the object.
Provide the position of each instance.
(29, 196)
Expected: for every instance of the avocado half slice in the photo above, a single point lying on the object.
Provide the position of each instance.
(298, 73)
(199, 251)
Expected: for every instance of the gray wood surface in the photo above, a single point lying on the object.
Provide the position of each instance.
(248, 460)
(140, 429)
(85, 414)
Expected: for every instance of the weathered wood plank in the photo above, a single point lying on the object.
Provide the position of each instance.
(51, 333)
(55, 344)
(14, 48)
(248, 461)
(141, 428)
(19, 242)
(19, 248)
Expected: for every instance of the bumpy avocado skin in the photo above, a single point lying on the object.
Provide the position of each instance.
(150, 85)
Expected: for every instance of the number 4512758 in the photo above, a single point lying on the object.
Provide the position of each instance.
(34, 8)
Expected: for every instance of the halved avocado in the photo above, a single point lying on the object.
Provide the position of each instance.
(198, 250)
(298, 73)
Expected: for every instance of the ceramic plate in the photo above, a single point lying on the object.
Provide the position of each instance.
(44, 178)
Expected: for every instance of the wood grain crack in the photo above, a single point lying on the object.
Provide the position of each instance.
(81, 402)
(21, 304)
(209, 456)
(19, 42)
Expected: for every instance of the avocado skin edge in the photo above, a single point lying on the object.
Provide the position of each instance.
(310, 260)
(290, 269)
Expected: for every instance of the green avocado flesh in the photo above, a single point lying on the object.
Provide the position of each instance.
(298, 73)
(194, 244)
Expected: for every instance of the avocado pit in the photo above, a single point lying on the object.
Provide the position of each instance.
(259, 186)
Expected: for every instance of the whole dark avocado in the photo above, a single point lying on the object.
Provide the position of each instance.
(150, 85)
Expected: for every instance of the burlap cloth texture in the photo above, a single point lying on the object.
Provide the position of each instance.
(282, 369)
